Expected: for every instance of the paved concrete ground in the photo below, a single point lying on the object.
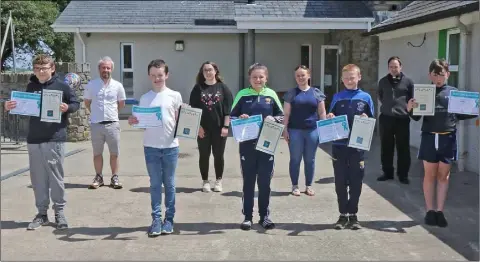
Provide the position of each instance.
(108, 224)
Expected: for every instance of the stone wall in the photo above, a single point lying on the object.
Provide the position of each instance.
(79, 128)
(362, 51)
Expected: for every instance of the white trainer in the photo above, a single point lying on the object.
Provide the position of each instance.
(218, 186)
(206, 186)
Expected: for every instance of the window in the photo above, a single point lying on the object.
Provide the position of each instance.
(453, 55)
(306, 57)
(126, 71)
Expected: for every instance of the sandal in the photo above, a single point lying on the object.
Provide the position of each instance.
(296, 191)
(309, 191)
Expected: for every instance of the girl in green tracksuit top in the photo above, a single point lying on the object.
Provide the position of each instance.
(257, 99)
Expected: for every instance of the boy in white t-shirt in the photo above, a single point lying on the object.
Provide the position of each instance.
(161, 148)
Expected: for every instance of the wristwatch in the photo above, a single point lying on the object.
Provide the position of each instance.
(226, 126)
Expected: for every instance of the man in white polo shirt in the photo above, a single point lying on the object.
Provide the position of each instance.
(104, 97)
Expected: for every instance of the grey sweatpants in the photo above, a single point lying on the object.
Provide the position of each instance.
(46, 173)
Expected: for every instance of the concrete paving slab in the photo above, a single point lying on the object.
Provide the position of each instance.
(207, 224)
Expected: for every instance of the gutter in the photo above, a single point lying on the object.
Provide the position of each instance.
(84, 60)
(462, 84)
(472, 7)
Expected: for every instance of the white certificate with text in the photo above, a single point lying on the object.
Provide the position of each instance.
(333, 129)
(247, 128)
(28, 104)
(425, 98)
(188, 122)
(51, 101)
(463, 102)
(147, 117)
(362, 133)
(269, 137)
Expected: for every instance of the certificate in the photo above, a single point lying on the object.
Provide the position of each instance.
(247, 128)
(362, 133)
(188, 122)
(147, 116)
(462, 102)
(269, 137)
(28, 104)
(51, 101)
(333, 129)
(425, 98)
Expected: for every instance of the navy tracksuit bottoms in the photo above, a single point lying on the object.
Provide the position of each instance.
(348, 168)
(256, 167)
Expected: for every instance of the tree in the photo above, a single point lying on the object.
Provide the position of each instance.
(33, 34)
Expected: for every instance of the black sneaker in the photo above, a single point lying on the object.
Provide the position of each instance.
(246, 225)
(353, 222)
(341, 223)
(266, 223)
(384, 178)
(115, 182)
(97, 182)
(431, 218)
(441, 220)
(38, 221)
(404, 180)
(61, 221)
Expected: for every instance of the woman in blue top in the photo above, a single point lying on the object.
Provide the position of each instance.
(303, 107)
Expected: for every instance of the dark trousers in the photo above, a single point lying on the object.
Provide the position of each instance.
(348, 169)
(256, 167)
(395, 131)
(212, 142)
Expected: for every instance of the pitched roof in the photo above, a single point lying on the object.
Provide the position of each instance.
(202, 12)
(304, 9)
(147, 12)
(419, 12)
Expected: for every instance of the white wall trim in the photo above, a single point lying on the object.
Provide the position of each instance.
(292, 31)
(433, 26)
(301, 19)
(148, 29)
(302, 25)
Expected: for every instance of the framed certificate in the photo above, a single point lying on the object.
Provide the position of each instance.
(463, 102)
(51, 101)
(247, 128)
(362, 133)
(28, 104)
(188, 122)
(269, 137)
(425, 98)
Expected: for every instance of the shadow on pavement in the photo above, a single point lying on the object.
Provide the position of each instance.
(461, 208)
(71, 186)
(326, 180)
(240, 194)
(184, 190)
(208, 228)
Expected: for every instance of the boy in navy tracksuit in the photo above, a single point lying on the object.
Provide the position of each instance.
(438, 147)
(348, 162)
(257, 99)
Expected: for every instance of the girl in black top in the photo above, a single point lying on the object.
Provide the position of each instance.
(215, 99)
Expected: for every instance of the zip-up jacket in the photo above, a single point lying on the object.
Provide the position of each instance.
(394, 94)
(250, 102)
(351, 103)
(442, 121)
(42, 132)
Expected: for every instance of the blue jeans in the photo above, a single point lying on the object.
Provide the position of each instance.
(161, 165)
(303, 143)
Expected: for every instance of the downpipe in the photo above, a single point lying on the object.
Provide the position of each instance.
(83, 45)
(462, 83)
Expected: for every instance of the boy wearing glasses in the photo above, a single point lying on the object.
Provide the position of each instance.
(46, 144)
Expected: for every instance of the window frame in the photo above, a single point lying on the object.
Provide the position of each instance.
(122, 68)
(452, 68)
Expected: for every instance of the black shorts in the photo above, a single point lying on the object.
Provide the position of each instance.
(436, 148)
